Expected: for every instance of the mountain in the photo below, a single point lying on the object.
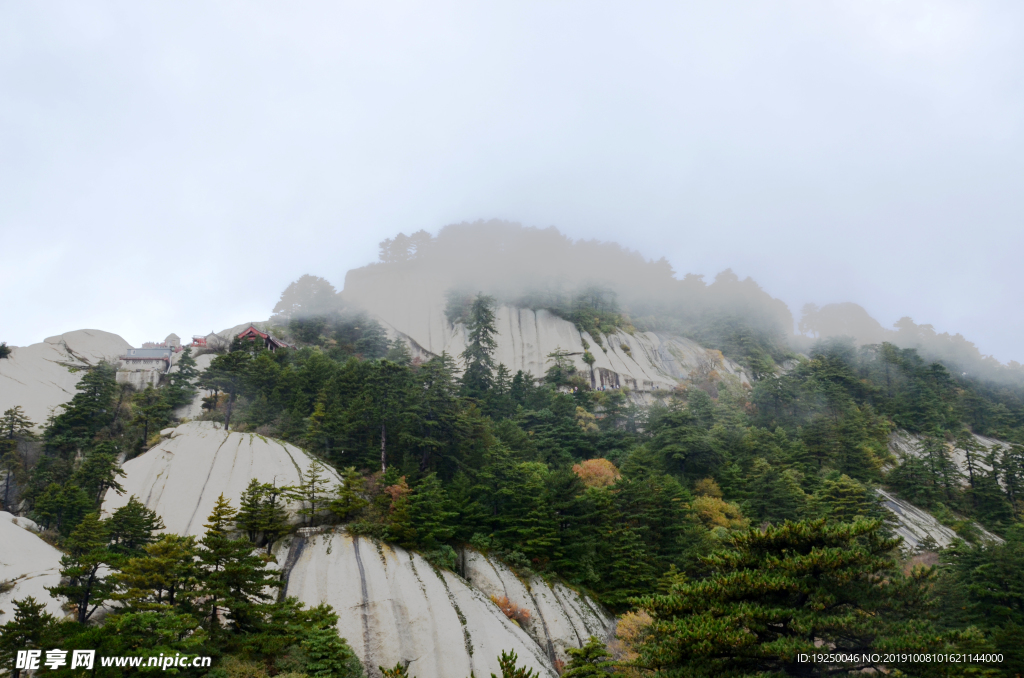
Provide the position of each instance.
(42, 376)
(497, 439)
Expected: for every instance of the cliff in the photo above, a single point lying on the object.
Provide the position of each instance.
(393, 605)
(182, 477)
(44, 375)
(28, 564)
(642, 361)
(915, 524)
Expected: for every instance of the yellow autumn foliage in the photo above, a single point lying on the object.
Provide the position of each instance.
(716, 512)
(707, 487)
(586, 421)
(629, 629)
(597, 472)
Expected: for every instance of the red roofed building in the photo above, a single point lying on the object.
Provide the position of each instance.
(269, 342)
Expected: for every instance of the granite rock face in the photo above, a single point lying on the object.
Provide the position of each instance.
(915, 525)
(643, 361)
(560, 618)
(29, 563)
(42, 376)
(182, 477)
(193, 409)
(395, 607)
(903, 444)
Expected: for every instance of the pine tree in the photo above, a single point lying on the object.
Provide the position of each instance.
(312, 492)
(590, 661)
(348, 495)
(992, 503)
(329, 655)
(13, 468)
(440, 421)
(166, 577)
(99, 472)
(972, 449)
(843, 500)
(151, 412)
(235, 578)
(499, 402)
(61, 507)
(227, 373)
(984, 586)
(82, 583)
(131, 528)
(261, 515)
(316, 436)
(1011, 468)
(181, 387)
(398, 671)
(522, 389)
(398, 353)
(789, 590)
(399, 527)
(216, 556)
(914, 481)
(249, 510)
(773, 495)
(308, 296)
(386, 391)
(478, 357)
(430, 512)
(942, 469)
(624, 558)
(27, 630)
(507, 664)
(92, 409)
(14, 424)
(562, 370)
(151, 633)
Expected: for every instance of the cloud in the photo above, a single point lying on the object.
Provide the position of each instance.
(172, 167)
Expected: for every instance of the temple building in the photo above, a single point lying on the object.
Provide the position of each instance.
(269, 342)
(142, 367)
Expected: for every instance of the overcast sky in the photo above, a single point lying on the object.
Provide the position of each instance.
(172, 166)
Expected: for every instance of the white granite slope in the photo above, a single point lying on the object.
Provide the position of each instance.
(394, 607)
(915, 525)
(44, 375)
(525, 337)
(29, 563)
(182, 477)
(903, 443)
(193, 409)
(560, 618)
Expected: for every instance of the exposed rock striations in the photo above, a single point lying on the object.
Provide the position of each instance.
(27, 562)
(642, 362)
(182, 477)
(560, 618)
(394, 607)
(42, 376)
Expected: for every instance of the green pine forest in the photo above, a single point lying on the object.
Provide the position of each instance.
(732, 528)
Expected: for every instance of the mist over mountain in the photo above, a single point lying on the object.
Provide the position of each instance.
(558, 430)
(603, 284)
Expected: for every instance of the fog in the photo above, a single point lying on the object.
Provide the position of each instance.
(543, 268)
(174, 166)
